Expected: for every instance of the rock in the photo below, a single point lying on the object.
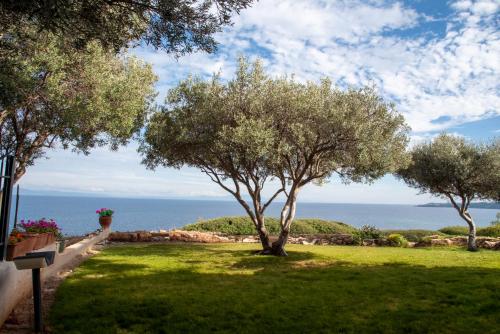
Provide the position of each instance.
(489, 244)
(441, 242)
(341, 239)
(458, 241)
(119, 236)
(305, 242)
(411, 244)
(249, 240)
(369, 242)
(486, 242)
(194, 236)
(144, 236)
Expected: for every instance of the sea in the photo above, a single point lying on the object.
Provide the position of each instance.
(76, 215)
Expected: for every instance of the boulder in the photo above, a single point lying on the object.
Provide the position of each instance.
(341, 239)
(369, 242)
(249, 240)
(486, 242)
(458, 241)
(120, 236)
(194, 236)
(441, 242)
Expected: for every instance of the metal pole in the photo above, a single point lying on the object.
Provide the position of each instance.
(37, 299)
(6, 201)
(17, 207)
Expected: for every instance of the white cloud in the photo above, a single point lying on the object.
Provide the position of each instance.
(449, 75)
(455, 75)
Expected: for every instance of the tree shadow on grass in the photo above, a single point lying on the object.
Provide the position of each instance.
(256, 294)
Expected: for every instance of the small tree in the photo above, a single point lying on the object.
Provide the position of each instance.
(51, 93)
(458, 170)
(255, 129)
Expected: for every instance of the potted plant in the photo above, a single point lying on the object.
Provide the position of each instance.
(19, 244)
(105, 217)
(44, 231)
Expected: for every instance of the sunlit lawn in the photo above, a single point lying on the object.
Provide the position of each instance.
(184, 288)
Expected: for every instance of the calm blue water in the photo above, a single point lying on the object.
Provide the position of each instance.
(76, 215)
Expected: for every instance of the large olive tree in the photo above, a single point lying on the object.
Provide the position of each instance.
(175, 26)
(255, 129)
(458, 170)
(51, 93)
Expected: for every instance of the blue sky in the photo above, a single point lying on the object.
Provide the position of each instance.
(439, 61)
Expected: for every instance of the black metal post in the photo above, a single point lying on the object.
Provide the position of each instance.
(8, 178)
(17, 207)
(37, 299)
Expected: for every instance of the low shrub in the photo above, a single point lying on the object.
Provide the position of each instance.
(366, 232)
(490, 231)
(244, 226)
(413, 235)
(455, 230)
(396, 240)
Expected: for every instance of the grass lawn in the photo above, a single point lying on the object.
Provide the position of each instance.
(185, 288)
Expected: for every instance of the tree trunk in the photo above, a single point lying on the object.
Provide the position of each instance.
(471, 239)
(263, 236)
(278, 247)
(287, 216)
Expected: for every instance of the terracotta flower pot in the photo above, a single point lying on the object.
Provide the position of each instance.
(51, 238)
(39, 240)
(105, 221)
(20, 248)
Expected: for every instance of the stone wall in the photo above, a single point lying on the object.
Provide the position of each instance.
(318, 239)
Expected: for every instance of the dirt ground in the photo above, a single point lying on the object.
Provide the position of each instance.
(21, 319)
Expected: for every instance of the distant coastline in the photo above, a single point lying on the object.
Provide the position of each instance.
(478, 205)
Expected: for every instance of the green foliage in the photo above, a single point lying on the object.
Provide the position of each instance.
(193, 288)
(413, 235)
(452, 166)
(176, 26)
(490, 231)
(52, 93)
(396, 240)
(244, 226)
(366, 232)
(454, 230)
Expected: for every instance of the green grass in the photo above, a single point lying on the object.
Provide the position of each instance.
(186, 288)
(244, 226)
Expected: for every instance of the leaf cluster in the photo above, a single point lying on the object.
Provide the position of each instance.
(176, 26)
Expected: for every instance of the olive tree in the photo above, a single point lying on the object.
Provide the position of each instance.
(175, 26)
(52, 94)
(458, 170)
(256, 129)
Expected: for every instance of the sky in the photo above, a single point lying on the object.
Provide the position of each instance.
(437, 60)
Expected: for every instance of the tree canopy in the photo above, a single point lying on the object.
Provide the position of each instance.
(458, 170)
(256, 128)
(50, 93)
(176, 26)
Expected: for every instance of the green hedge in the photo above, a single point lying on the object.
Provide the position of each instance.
(490, 231)
(244, 226)
(413, 235)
